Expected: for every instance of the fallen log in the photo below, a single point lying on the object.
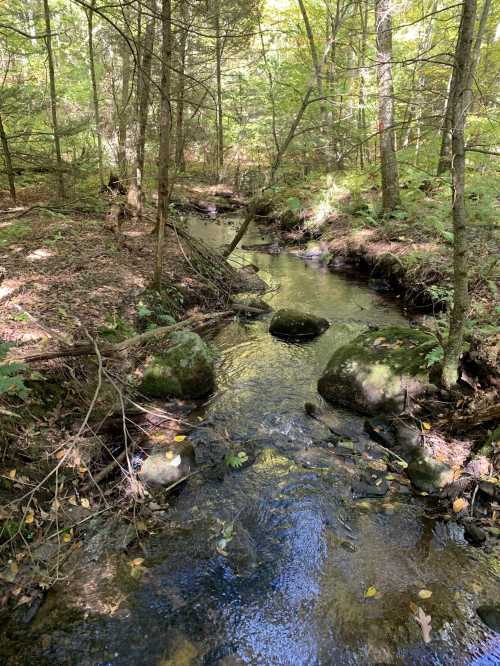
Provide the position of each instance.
(484, 415)
(109, 350)
(119, 347)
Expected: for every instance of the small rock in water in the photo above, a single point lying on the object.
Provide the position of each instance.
(490, 615)
(381, 431)
(474, 534)
(297, 325)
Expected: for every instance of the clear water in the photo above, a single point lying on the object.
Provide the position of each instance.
(289, 587)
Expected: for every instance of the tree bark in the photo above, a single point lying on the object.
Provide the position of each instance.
(8, 162)
(164, 148)
(462, 67)
(218, 76)
(389, 164)
(180, 162)
(136, 197)
(122, 113)
(444, 162)
(95, 95)
(53, 99)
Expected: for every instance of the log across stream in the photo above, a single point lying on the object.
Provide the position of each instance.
(282, 562)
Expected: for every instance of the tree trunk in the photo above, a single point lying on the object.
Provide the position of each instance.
(218, 76)
(180, 162)
(389, 164)
(361, 120)
(444, 162)
(135, 197)
(53, 100)
(8, 162)
(95, 95)
(164, 148)
(462, 67)
(122, 114)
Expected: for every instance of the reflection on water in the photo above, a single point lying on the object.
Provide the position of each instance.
(290, 589)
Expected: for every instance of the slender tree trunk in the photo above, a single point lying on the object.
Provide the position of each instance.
(164, 148)
(136, 191)
(122, 113)
(8, 162)
(462, 66)
(389, 164)
(180, 162)
(363, 14)
(53, 100)
(218, 76)
(445, 151)
(95, 95)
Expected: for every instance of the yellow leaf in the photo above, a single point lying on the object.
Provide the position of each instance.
(29, 518)
(137, 562)
(370, 592)
(180, 438)
(85, 503)
(425, 594)
(460, 504)
(67, 537)
(12, 474)
(426, 426)
(60, 454)
(72, 501)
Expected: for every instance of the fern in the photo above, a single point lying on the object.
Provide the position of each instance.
(12, 376)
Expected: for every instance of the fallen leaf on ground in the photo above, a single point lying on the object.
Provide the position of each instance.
(29, 518)
(425, 594)
(370, 592)
(180, 438)
(426, 426)
(425, 624)
(85, 503)
(460, 504)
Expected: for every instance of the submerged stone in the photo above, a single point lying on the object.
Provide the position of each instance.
(490, 615)
(184, 371)
(297, 325)
(379, 371)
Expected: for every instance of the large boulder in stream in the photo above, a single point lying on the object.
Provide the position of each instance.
(185, 371)
(379, 371)
(297, 325)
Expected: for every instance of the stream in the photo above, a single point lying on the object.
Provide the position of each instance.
(272, 566)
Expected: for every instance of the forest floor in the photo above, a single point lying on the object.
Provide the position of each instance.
(67, 277)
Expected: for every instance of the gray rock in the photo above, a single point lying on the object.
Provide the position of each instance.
(429, 475)
(297, 325)
(166, 466)
(379, 371)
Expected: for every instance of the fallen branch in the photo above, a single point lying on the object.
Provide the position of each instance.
(484, 415)
(117, 348)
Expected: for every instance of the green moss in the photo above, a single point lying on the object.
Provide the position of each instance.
(186, 370)
(401, 349)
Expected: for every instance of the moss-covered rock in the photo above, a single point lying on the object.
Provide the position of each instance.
(428, 474)
(379, 370)
(297, 325)
(186, 370)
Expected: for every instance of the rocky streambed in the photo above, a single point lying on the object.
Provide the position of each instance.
(300, 540)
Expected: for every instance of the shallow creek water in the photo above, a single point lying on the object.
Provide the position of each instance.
(290, 588)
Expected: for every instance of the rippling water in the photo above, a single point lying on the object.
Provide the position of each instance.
(290, 588)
